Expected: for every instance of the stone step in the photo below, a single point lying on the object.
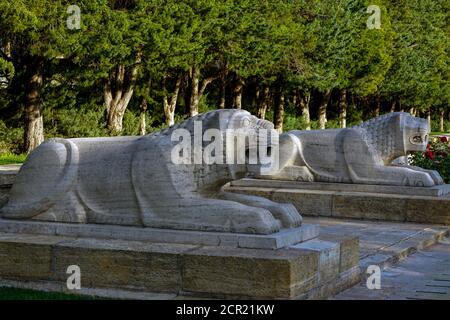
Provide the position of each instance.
(355, 205)
(389, 255)
(8, 173)
(435, 191)
(281, 239)
(424, 276)
(383, 243)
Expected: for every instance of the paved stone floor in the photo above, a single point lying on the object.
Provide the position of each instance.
(383, 243)
(424, 275)
(414, 258)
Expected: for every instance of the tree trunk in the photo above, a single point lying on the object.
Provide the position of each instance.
(195, 79)
(223, 86)
(441, 120)
(279, 112)
(303, 101)
(412, 111)
(197, 89)
(142, 124)
(117, 93)
(429, 117)
(34, 125)
(323, 109)
(263, 102)
(186, 84)
(377, 106)
(8, 50)
(294, 98)
(170, 101)
(393, 106)
(237, 93)
(343, 109)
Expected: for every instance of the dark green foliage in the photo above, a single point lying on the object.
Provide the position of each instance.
(304, 46)
(11, 138)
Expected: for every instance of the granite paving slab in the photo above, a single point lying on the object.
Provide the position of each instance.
(382, 243)
(425, 275)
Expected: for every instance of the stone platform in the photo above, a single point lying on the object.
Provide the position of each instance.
(284, 238)
(317, 268)
(428, 205)
(150, 270)
(8, 174)
(435, 191)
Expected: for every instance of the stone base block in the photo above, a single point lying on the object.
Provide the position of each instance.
(284, 238)
(8, 174)
(318, 269)
(435, 191)
(317, 199)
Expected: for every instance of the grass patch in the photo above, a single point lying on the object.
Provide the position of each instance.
(25, 294)
(438, 133)
(11, 158)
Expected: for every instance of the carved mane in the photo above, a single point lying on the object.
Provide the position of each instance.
(382, 134)
(206, 118)
(189, 123)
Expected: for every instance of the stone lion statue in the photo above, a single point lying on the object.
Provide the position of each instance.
(362, 154)
(133, 181)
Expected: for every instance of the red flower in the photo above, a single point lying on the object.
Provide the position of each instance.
(430, 154)
(444, 139)
(428, 146)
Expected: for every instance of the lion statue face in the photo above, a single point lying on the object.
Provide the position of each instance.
(251, 142)
(396, 134)
(230, 138)
(415, 133)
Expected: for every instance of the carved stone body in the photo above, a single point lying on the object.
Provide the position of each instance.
(362, 154)
(133, 181)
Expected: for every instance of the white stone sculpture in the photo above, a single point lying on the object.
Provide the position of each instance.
(362, 154)
(134, 181)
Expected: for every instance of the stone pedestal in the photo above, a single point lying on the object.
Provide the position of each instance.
(316, 268)
(282, 239)
(376, 202)
(8, 174)
(151, 263)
